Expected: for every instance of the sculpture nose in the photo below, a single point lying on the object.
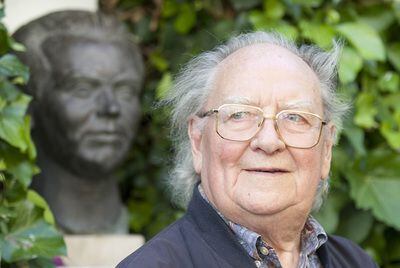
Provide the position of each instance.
(108, 103)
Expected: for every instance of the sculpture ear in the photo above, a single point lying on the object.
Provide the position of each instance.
(195, 136)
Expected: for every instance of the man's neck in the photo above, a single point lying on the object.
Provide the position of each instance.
(282, 231)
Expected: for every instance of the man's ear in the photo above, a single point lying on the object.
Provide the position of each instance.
(195, 136)
(327, 150)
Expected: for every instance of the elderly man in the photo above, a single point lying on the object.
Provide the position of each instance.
(255, 121)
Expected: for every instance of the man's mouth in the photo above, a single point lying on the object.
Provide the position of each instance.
(268, 170)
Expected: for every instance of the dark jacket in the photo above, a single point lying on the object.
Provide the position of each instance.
(201, 239)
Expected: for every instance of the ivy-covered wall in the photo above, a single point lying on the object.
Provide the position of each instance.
(364, 201)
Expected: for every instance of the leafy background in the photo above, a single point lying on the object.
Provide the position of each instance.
(28, 237)
(364, 202)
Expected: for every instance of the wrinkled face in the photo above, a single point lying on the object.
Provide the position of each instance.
(91, 113)
(261, 176)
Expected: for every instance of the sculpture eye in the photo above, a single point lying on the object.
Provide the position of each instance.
(124, 90)
(82, 90)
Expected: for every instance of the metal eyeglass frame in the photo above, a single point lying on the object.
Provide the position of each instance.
(214, 111)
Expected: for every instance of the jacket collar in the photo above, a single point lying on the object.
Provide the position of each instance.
(222, 239)
(216, 232)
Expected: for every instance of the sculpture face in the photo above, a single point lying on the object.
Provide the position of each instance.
(91, 112)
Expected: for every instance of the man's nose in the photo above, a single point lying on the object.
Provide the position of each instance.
(268, 138)
(108, 104)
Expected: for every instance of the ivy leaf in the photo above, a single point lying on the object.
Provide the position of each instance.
(1, 10)
(244, 4)
(186, 19)
(11, 130)
(394, 55)
(355, 135)
(31, 150)
(377, 16)
(261, 22)
(17, 164)
(164, 86)
(33, 240)
(140, 214)
(355, 224)
(375, 185)
(10, 66)
(391, 134)
(365, 39)
(321, 34)
(328, 215)
(36, 199)
(394, 249)
(24, 171)
(18, 107)
(307, 3)
(396, 9)
(169, 8)
(3, 165)
(12, 125)
(158, 61)
(8, 90)
(274, 9)
(366, 111)
(332, 17)
(389, 82)
(4, 47)
(286, 29)
(349, 66)
(15, 45)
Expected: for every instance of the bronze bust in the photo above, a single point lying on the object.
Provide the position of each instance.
(86, 76)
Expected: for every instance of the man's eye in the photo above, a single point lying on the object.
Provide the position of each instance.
(239, 115)
(295, 118)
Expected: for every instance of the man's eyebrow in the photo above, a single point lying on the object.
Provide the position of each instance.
(297, 104)
(238, 100)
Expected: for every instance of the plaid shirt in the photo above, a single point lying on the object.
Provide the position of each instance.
(312, 237)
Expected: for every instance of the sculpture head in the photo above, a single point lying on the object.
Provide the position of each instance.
(86, 76)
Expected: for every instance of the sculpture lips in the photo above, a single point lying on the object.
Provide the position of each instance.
(104, 136)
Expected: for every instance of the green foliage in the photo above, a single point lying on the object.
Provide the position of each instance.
(28, 237)
(364, 202)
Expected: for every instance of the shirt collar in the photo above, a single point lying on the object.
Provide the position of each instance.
(313, 234)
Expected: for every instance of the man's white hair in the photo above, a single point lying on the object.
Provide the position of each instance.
(194, 83)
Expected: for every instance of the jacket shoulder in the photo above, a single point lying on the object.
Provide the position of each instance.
(166, 249)
(345, 253)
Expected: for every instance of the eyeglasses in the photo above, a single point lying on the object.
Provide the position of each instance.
(239, 122)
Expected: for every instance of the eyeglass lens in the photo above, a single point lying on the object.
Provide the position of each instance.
(241, 123)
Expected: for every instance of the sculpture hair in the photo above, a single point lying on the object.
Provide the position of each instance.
(72, 23)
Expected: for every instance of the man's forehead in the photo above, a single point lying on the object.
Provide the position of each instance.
(291, 104)
(262, 53)
(265, 72)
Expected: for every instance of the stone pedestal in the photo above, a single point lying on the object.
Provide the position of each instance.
(99, 250)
